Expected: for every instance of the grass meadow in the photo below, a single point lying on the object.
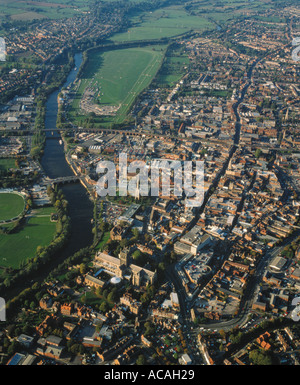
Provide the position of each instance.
(164, 22)
(46, 9)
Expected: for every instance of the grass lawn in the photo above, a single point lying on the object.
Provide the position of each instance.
(7, 163)
(103, 241)
(38, 231)
(173, 69)
(119, 75)
(91, 299)
(11, 205)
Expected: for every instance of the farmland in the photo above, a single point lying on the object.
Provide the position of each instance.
(31, 10)
(164, 22)
(118, 76)
(177, 19)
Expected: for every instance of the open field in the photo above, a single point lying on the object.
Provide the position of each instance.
(18, 247)
(164, 22)
(119, 76)
(30, 10)
(173, 68)
(198, 16)
(11, 205)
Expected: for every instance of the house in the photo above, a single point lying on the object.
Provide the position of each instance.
(54, 352)
(127, 355)
(296, 274)
(66, 309)
(185, 360)
(93, 281)
(45, 302)
(25, 340)
(133, 305)
(21, 359)
(53, 340)
(145, 341)
(118, 232)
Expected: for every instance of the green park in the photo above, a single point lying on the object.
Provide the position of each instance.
(18, 246)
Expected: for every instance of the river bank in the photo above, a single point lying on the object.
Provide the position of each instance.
(55, 164)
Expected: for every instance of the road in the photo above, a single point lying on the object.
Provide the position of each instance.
(255, 280)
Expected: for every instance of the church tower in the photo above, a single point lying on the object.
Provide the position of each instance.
(124, 256)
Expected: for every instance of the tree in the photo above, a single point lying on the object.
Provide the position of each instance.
(75, 349)
(149, 329)
(82, 268)
(222, 333)
(103, 307)
(260, 357)
(140, 360)
(99, 291)
(136, 254)
(258, 153)
(112, 296)
(13, 348)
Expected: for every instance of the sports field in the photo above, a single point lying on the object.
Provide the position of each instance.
(119, 76)
(18, 247)
(11, 205)
(7, 163)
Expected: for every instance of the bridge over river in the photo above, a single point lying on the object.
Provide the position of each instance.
(62, 180)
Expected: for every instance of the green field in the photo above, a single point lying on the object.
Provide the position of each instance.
(173, 69)
(164, 22)
(102, 243)
(7, 163)
(200, 15)
(11, 205)
(30, 10)
(18, 247)
(120, 75)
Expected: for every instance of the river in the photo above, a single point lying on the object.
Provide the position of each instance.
(55, 165)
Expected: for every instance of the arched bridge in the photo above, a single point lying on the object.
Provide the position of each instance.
(62, 180)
